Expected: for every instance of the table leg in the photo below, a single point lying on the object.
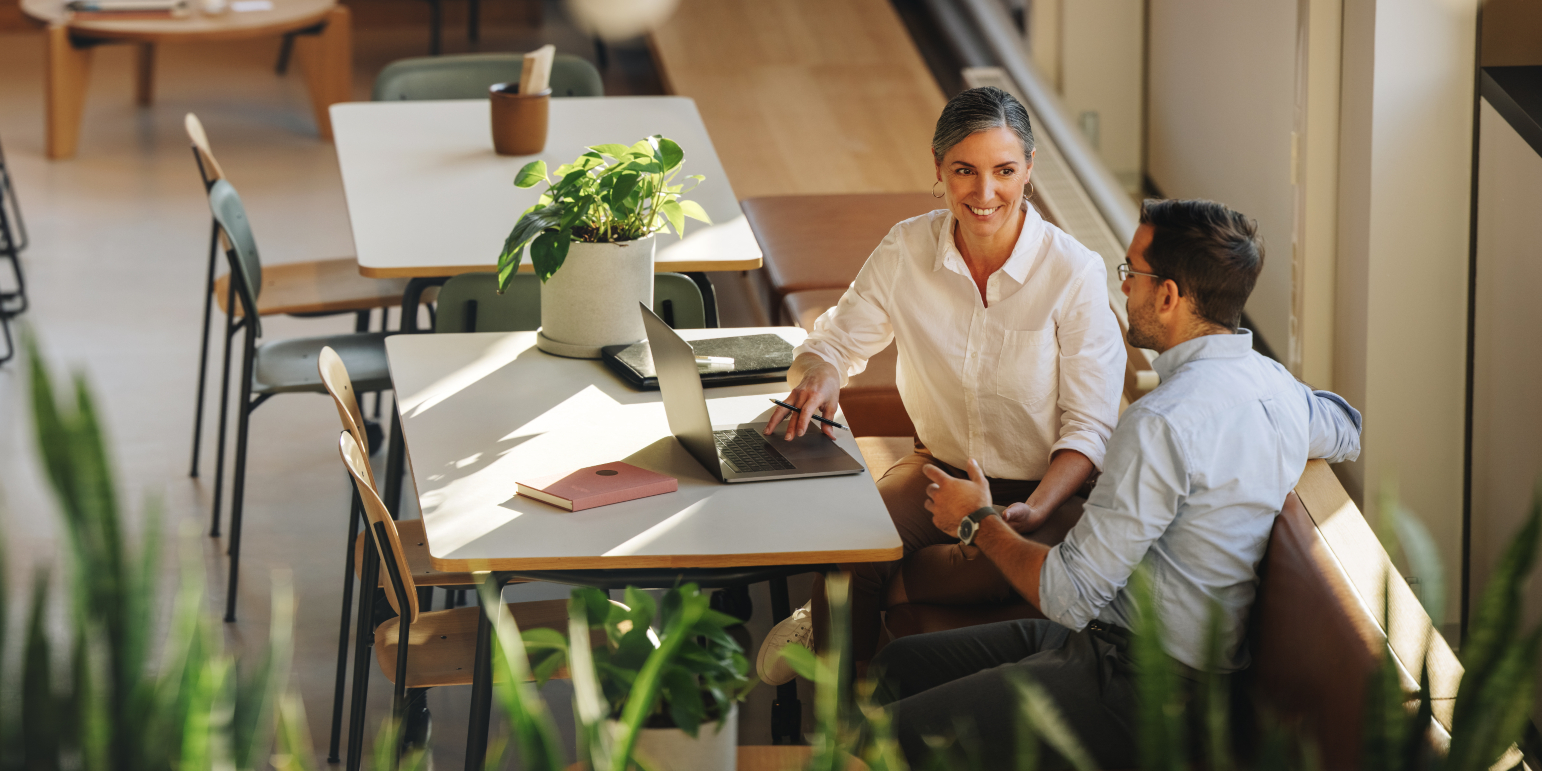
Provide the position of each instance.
(144, 75)
(327, 57)
(66, 71)
(787, 710)
(482, 683)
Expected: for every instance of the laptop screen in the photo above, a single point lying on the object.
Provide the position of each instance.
(685, 401)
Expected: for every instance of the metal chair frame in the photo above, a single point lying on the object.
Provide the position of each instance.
(12, 302)
(361, 324)
(240, 285)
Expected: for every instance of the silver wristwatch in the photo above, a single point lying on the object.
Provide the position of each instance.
(971, 524)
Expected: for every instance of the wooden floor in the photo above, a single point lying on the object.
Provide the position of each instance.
(805, 96)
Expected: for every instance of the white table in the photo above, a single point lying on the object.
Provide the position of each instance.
(428, 197)
(482, 411)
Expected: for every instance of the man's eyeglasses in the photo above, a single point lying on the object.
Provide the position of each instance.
(1125, 272)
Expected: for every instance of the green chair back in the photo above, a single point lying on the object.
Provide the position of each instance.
(229, 212)
(470, 303)
(468, 76)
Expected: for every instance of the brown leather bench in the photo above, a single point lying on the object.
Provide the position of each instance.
(1313, 643)
(821, 241)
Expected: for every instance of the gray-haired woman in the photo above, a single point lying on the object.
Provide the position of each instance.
(1009, 355)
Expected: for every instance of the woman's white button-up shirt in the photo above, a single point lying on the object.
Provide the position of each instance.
(1037, 371)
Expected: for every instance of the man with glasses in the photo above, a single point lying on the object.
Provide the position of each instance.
(1196, 471)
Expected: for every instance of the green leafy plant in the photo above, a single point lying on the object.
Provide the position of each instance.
(689, 673)
(119, 707)
(594, 200)
(698, 685)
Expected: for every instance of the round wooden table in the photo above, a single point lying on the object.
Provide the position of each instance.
(320, 29)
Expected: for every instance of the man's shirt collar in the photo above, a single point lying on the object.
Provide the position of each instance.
(1221, 346)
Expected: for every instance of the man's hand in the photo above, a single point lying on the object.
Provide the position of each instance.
(950, 499)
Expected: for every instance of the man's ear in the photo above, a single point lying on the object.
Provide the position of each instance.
(1168, 298)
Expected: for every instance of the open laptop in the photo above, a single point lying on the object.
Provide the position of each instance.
(733, 453)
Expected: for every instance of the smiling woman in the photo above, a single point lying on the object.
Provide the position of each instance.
(1009, 355)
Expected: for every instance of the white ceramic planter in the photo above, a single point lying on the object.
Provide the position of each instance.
(591, 301)
(671, 749)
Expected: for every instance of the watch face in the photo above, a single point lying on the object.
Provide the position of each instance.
(966, 530)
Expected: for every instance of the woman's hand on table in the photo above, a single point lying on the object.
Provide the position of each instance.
(1023, 518)
(818, 392)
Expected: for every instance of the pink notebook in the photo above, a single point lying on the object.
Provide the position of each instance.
(600, 485)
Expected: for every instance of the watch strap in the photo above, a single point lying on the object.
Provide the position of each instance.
(979, 515)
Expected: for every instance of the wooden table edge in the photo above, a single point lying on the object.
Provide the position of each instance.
(659, 266)
(85, 31)
(677, 561)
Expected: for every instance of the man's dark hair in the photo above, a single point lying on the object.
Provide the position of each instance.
(1214, 254)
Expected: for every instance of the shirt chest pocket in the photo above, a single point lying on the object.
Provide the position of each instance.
(1028, 368)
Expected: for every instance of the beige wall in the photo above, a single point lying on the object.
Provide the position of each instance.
(1507, 415)
(1221, 86)
(1405, 181)
(1102, 57)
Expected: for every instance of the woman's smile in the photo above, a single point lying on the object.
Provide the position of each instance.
(983, 212)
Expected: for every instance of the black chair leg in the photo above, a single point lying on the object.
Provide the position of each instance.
(5, 332)
(203, 349)
(473, 19)
(238, 480)
(435, 26)
(219, 453)
(355, 511)
(363, 637)
(786, 710)
(395, 463)
(285, 52)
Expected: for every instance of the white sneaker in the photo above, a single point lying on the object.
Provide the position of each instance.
(797, 628)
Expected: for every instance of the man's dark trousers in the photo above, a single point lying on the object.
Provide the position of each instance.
(961, 683)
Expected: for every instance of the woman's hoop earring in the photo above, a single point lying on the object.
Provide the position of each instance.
(936, 194)
(1031, 190)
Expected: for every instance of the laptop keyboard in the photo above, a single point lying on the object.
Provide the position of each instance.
(747, 451)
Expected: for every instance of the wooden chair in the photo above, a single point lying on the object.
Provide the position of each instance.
(334, 376)
(317, 288)
(284, 366)
(418, 649)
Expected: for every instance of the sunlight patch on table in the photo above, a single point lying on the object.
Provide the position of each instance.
(591, 402)
(493, 359)
(637, 543)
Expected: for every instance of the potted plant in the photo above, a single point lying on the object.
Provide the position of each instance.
(676, 691)
(596, 224)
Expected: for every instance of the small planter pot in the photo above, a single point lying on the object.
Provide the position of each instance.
(591, 301)
(671, 749)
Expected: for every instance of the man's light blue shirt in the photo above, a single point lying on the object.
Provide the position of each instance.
(1195, 474)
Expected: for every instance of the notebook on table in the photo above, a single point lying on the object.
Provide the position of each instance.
(599, 485)
(757, 359)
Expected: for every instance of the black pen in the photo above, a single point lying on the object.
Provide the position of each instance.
(780, 403)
